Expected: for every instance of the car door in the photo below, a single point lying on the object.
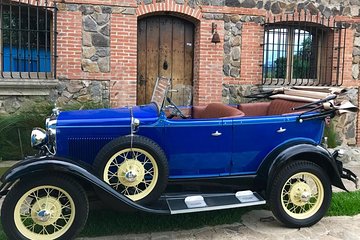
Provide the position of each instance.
(255, 137)
(198, 148)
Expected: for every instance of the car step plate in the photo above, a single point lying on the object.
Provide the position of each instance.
(210, 202)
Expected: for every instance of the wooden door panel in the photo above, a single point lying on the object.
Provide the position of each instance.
(178, 60)
(165, 48)
(165, 59)
(189, 54)
(141, 75)
(152, 59)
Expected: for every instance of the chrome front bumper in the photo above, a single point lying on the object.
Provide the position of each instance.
(349, 175)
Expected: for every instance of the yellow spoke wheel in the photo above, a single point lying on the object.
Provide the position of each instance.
(45, 212)
(300, 194)
(133, 172)
(44, 208)
(134, 166)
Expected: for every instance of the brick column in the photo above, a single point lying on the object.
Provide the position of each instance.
(123, 60)
(208, 62)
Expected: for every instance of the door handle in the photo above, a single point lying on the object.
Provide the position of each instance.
(216, 134)
(281, 130)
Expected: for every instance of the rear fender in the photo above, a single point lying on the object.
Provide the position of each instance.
(297, 151)
(79, 171)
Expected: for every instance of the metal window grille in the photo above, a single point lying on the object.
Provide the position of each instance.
(303, 49)
(28, 39)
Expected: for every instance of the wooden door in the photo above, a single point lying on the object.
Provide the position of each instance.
(165, 48)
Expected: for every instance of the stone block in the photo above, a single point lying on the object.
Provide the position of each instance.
(235, 18)
(355, 71)
(275, 8)
(88, 52)
(106, 9)
(226, 69)
(103, 51)
(234, 72)
(105, 30)
(208, 16)
(104, 64)
(356, 51)
(89, 24)
(117, 10)
(129, 11)
(235, 41)
(86, 39)
(86, 9)
(99, 40)
(101, 18)
(227, 26)
(357, 42)
(232, 3)
(248, 4)
(235, 54)
(89, 66)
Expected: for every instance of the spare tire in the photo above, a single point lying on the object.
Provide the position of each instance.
(134, 166)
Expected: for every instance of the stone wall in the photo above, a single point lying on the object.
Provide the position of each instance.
(232, 42)
(72, 92)
(13, 104)
(83, 91)
(96, 39)
(326, 7)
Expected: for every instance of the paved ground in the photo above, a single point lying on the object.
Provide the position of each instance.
(253, 228)
(260, 224)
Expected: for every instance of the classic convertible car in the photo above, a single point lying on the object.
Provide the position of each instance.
(158, 159)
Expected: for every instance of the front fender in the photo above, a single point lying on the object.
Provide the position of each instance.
(297, 151)
(77, 170)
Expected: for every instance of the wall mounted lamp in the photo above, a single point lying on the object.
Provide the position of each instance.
(215, 38)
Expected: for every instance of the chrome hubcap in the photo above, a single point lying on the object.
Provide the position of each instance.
(130, 176)
(300, 193)
(43, 215)
(131, 172)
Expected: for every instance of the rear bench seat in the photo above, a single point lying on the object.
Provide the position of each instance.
(216, 110)
(219, 110)
(275, 107)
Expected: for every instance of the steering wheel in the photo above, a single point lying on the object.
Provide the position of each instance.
(176, 111)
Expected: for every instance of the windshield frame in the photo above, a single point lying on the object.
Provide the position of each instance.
(161, 89)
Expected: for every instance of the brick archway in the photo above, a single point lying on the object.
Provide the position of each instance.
(171, 8)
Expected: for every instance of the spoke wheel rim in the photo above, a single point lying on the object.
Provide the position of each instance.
(44, 212)
(132, 172)
(302, 195)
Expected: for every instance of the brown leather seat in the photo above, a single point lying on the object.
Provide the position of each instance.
(275, 107)
(280, 106)
(217, 110)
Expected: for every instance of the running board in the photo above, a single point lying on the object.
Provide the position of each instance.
(210, 202)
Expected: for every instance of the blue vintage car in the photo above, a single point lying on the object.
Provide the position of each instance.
(157, 158)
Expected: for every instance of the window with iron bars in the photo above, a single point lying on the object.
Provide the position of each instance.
(303, 53)
(27, 40)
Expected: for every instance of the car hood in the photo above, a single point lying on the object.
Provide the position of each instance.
(147, 114)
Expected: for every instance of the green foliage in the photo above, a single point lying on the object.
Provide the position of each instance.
(15, 129)
(345, 204)
(331, 136)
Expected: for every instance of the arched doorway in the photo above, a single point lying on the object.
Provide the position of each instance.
(165, 48)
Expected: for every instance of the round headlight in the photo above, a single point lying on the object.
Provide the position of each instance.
(39, 137)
